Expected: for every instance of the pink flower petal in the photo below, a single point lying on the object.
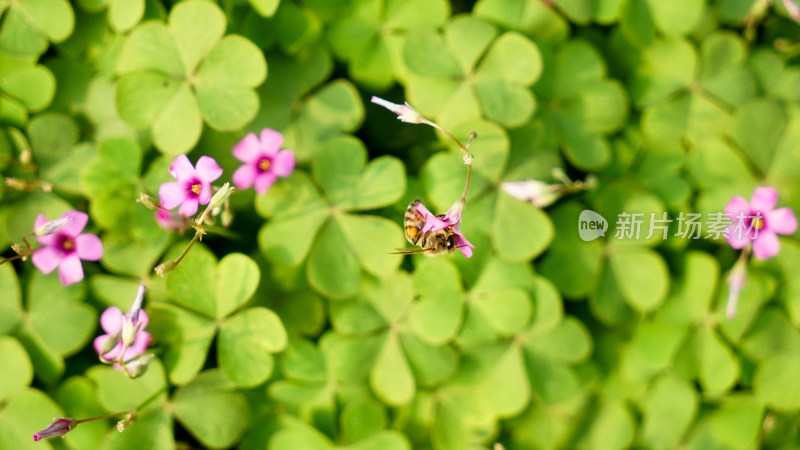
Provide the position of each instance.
(462, 242)
(182, 168)
(111, 320)
(74, 227)
(264, 181)
(207, 169)
(766, 245)
(171, 194)
(738, 238)
(244, 176)
(100, 342)
(738, 205)
(792, 9)
(781, 221)
(271, 142)
(144, 319)
(47, 258)
(41, 219)
(283, 164)
(49, 239)
(432, 223)
(70, 270)
(248, 149)
(205, 193)
(89, 247)
(764, 199)
(188, 207)
(139, 346)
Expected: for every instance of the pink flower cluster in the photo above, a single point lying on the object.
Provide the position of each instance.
(263, 162)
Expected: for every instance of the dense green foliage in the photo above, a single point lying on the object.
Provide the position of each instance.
(296, 329)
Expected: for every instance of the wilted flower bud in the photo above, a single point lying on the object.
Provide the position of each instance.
(59, 427)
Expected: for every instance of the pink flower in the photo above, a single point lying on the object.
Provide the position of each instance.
(452, 218)
(66, 247)
(59, 427)
(263, 160)
(758, 222)
(127, 331)
(193, 186)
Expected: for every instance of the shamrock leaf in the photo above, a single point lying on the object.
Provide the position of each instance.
(584, 105)
(447, 82)
(532, 17)
(639, 19)
(30, 25)
(207, 295)
(339, 245)
(701, 91)
(175, 76)
(307, 114)
(370, 37)
(24, 87)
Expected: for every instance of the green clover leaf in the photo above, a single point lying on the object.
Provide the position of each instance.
(339, 245)
(584, 105)
(531, 17)
(308, 115)
(175, 76)
(370, 37)
(24, 87)
(30, 25)
(207, 295)
(447, 82)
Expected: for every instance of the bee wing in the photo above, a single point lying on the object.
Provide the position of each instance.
(409, 251)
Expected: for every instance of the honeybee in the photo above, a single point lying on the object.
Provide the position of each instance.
(431, 243)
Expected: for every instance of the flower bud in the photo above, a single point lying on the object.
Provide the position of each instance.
(130, 322)
(147, 200)
(537, 192)
(166, 267)
(110, 343)
(59, 427)
(51, 226)
(404, 112)
(137, 367)
(220, 196)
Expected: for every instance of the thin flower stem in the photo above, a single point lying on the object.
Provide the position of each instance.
(466, 185)
(197, 236)
(745, 253)
(11, 259)
(104, 416)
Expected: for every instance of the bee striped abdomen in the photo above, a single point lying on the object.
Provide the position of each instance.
(413, 223)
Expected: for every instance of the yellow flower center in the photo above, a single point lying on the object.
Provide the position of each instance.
(758, 223)
(264, 165)
(68, 244)
(196, 188)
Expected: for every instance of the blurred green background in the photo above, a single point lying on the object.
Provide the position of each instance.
(296, 329)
